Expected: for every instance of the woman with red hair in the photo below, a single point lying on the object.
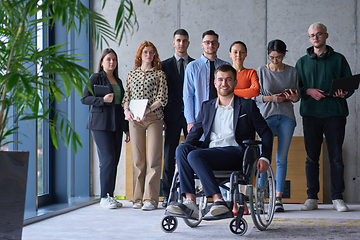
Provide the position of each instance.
(146, 81)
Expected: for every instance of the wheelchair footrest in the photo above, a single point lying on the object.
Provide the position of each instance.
(179, 216)
(207, 216)
(223, 216)
(187, 211)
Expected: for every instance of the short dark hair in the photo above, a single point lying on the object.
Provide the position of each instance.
(210, 32)
(238, 42)
(277, 45)
(181, 32)
(226, 68)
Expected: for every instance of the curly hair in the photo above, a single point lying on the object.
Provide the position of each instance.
(156, 63)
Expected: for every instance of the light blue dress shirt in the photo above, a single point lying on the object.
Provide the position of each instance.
(196, 85)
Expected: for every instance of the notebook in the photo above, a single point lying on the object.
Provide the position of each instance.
(101, 90)
(346, 84)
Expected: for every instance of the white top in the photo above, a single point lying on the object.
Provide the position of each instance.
(222, 130)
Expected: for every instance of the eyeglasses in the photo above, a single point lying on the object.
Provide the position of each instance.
(271, 58)
(319, 34)
(151, 53)
(211, 42)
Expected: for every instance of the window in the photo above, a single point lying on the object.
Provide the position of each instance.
(41, 127)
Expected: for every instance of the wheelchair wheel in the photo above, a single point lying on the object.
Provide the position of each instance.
(169, 224)
(262, 197)
(241, 230)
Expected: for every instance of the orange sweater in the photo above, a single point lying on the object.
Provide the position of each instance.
(245, 79)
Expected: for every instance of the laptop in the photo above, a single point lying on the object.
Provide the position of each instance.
(346, 84)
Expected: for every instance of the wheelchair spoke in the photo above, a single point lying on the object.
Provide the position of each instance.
(262, 199)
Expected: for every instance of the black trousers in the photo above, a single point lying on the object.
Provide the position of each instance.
(333, 128)
(109, 148)
(172, 137)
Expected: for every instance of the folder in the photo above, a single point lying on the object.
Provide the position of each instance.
(101, 90)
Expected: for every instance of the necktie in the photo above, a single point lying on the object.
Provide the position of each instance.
(181, 69)
(212, 92)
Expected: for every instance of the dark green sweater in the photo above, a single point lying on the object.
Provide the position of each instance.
(318, 73)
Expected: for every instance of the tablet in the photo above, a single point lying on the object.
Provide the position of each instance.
(138, 107)
(346, 84)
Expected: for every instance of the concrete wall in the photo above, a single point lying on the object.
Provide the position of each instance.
(256, 22)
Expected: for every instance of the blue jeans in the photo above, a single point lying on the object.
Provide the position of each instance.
(282, 127)
(334, 130)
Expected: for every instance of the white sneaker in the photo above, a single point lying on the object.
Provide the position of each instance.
(339, 205)
(220, 208)
(118, 204)
(107, 202)
(309, 205)
(148, 206)
(137, 205)
(189, 204)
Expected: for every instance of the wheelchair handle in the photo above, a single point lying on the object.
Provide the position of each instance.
(251, 142)
(195, 143)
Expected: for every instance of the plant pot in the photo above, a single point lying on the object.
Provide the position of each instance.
(13, 178)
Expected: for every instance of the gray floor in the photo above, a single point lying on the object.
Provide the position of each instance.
(93, 222)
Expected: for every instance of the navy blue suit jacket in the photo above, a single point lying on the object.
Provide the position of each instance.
(247, 121)
(172, 110)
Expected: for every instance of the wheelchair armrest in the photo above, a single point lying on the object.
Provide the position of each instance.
(195, 143)
(251, 142)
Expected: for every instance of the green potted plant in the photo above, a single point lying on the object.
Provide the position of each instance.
(21, 89)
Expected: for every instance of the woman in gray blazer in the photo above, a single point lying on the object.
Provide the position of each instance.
(107, 122)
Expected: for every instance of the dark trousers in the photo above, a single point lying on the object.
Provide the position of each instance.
(203, 161)
(109, 147)
(172, 136)
(334, 130)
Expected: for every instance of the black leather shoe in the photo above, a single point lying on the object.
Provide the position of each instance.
(164, 203)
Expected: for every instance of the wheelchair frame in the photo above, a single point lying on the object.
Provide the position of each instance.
(261, 196)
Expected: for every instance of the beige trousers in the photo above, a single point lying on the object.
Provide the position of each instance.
(146, 170)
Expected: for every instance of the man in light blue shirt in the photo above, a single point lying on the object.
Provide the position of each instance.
(199, 80)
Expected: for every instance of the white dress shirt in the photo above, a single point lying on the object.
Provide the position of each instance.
(222, 130)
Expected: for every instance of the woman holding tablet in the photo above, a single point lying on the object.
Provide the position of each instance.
(278, 91)
(146, 81)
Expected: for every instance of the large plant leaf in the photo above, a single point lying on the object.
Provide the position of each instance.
(27, 72)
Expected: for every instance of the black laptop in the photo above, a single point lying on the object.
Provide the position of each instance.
(346, 84)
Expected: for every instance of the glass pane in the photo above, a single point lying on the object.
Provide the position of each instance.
(42, 159)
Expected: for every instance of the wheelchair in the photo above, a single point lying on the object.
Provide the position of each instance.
(261, 195)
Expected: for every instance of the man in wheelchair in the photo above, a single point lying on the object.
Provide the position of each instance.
(226, 122)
